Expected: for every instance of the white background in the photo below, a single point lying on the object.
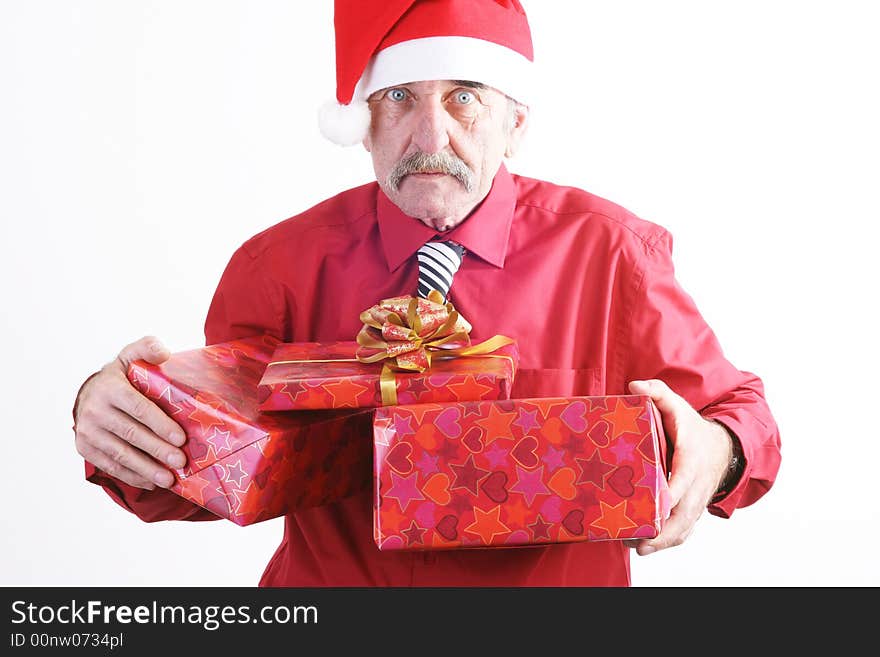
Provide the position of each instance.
(142, 141)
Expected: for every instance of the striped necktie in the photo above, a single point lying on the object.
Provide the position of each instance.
(438, 262)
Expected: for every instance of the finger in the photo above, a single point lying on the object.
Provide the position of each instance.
(676, 528)
(683, 474)
(670, 536)
(147, 413)
(148, 348)
(136, 434)
(678, 487)
(121, 456)
(103, 462)
(660, 393)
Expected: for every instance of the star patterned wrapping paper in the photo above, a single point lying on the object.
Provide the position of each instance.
(518, 472)
(242, 464)
(313, 375)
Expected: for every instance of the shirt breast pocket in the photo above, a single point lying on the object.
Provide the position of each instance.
(558, 383)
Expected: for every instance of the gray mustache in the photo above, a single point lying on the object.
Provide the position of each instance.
(431, 163)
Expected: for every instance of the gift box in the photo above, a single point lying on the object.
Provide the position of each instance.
(321, 375)
(243, 464)
(518, 472)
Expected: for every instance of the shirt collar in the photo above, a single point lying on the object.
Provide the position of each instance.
(484, 232)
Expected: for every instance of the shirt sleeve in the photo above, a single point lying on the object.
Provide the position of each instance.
(670, 340)
(248, 302)
(245, 303)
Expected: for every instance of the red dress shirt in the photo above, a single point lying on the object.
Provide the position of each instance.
(586, 288)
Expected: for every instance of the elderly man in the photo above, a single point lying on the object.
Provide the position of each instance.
(437, 93)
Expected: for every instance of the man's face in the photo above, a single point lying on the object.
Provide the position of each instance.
(436, 146)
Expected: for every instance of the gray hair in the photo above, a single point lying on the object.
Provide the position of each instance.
(432, 163)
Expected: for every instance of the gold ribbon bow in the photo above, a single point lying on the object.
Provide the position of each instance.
(405, 331)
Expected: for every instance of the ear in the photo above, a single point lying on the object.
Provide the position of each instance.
(368, 143)
(518, 130)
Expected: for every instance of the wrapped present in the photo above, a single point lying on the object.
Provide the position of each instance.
(243, 464)
(410, 350)
(315, 375)
(518, 472)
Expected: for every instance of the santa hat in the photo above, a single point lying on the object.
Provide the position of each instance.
(382, 43)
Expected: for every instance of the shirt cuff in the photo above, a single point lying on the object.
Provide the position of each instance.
(724, 502)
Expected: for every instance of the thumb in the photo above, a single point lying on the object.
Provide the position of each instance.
(639, 387)
(643, 387)
(148, 348)
(660, 393)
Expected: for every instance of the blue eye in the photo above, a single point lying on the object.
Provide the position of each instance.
(464, 97)
(397, 95)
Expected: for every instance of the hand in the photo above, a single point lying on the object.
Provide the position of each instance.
(700, 456)
(122, 432)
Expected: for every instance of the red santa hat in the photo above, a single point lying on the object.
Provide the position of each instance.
(382, 43)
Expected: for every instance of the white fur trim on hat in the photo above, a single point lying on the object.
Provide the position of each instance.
(345, 125)
(449, 58)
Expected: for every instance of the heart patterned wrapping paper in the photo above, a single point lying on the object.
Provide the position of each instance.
(518, 472)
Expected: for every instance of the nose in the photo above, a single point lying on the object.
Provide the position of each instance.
(431, 133)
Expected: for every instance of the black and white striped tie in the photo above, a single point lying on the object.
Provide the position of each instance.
(438, 262)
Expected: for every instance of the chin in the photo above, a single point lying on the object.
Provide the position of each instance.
(431, 214)
(438, 219)
(442, 225)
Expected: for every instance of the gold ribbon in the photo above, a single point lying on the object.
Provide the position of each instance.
(404, 332)
(314, 360)
(388, 386)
